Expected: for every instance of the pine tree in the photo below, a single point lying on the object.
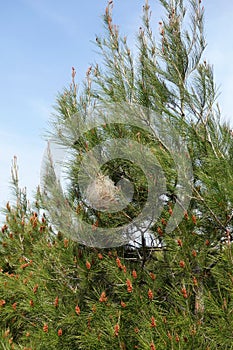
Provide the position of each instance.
(158, 288)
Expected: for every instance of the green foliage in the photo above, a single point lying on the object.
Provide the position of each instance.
(166, 291)
(57, 294)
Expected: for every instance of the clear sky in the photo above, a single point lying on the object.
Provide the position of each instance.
(42, 39)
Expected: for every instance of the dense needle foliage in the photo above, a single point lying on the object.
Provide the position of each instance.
(166, 290)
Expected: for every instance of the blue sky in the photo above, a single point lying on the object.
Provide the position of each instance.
(42, 39)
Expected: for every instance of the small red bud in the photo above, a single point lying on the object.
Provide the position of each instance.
(182, 263)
